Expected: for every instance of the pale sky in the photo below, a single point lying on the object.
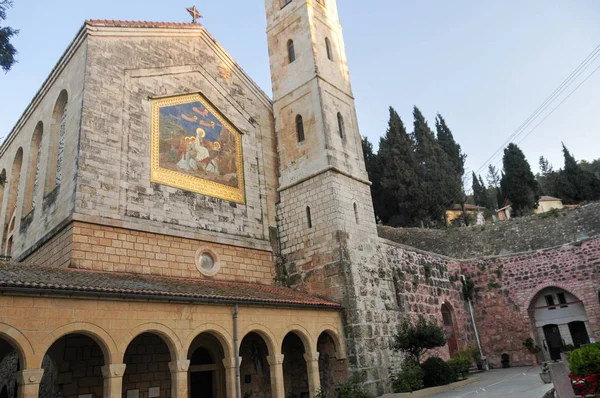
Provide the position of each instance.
(485, 65)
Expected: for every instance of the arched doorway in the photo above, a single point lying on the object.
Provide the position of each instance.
(332, 371)
(559, 319)
(295, 375)
(72, 368)
(10, 364)
(206, 372)
(448, 319)
(255, 372)
(147, 359)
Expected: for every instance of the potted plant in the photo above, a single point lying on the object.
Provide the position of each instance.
(545, 374)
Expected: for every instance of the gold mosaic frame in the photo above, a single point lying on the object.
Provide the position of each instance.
(174, 179)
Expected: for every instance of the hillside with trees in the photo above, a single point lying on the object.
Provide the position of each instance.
(416, 176)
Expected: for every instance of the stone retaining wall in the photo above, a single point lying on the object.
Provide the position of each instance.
(514, 236)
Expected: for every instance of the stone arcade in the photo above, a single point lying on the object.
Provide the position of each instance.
(167, 222)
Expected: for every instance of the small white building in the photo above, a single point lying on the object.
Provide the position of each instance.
(548, 203)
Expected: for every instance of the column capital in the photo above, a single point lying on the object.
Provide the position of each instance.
(275, 359)
(113, 371)
(229, 363)
(179, 366)
(311, 356)
(29, 376)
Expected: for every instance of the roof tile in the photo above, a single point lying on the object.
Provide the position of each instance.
(70, 280)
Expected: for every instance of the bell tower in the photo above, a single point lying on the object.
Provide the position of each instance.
(325, 218)
(325, 198)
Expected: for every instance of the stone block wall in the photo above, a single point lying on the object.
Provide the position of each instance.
(32, 226)
(394, 282)
(514, 236)
(147, 359)
(507, 285)
(56, 252)
(123, 75)
(102, 248)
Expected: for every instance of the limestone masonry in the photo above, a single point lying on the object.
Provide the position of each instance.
(117, 283)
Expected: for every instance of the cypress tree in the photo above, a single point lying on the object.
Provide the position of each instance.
(575, 184)
(494, 181)
(398, 175)
(374, 172)
(437, 190)
(518, 183)
(455, 155)
(479, 191)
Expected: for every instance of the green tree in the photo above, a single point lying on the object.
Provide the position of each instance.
(457, 158)
(518, 183)
(377, 192)
(479, 191)
(437, 186)
(547, 179)
(415, 339)
(576, 185)
(398, 175)
(494, 181)
(7, 50)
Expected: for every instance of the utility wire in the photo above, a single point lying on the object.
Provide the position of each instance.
(595, 54)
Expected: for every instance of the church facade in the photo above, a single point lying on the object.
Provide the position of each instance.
(171, 231)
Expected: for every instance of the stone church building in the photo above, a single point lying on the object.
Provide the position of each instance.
(170, 231)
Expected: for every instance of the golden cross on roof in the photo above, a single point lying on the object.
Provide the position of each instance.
(194, 13)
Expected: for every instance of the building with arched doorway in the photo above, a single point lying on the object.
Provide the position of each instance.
(560, 320)
(174, 231)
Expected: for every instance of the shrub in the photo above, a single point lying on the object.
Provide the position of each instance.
(460, 367)
(415, 340)
(436, 372)
(585, 360)
(354, 388)
(530, 346)
(471, 353)
(409, 378)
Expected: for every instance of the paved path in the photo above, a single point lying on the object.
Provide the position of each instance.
(505, 383)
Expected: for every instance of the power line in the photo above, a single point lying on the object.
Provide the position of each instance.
(537, 113)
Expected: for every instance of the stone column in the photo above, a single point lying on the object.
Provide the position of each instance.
(29, 382)
(276, 367)
(314, 377)
(113, 380)
(230, 377)
(179, 378)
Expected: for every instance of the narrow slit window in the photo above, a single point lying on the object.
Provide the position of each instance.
(550, 302)
(329, 49)
(291, 51)
(300, 128)
(562, 300)
(308, 217)
(356, 213)
(341, 127)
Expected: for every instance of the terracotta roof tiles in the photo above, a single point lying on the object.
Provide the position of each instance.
(37, 279)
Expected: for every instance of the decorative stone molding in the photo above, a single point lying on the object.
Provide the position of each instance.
(30, 376)
(312, 356)
(113, 371)
(179, 366)
(275, 359)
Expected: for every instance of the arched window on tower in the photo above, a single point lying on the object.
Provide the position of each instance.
(33, 170)
(341, 127)
(56, 143)
(291, 51)
(308, 217)
(329, 49)
(300, 128)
